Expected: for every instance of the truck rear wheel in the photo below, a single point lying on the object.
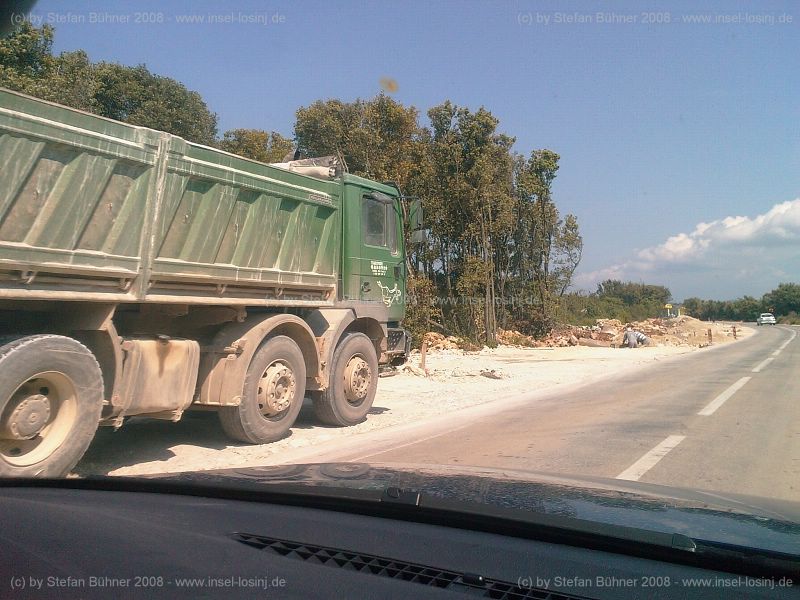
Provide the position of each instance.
(274, 387)
(51, 396)
(353, 383)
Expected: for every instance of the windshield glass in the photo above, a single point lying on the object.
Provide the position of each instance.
(212, 256)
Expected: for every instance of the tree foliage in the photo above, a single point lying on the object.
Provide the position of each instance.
(130, 94)
(376, 137)
(264, 146)
(137, 96)
(783, 302)
(613, 299)
(499, 254)
(631, 293)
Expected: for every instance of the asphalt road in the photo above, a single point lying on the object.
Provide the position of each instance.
(725, 419)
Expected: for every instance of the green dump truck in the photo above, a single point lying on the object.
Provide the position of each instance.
(144, 275)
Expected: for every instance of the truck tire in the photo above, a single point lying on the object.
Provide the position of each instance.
(353, 383)
(51, 396)
(272, 396)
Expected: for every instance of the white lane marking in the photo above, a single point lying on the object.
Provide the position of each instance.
(762, 364)
(776, 353)
(649, 460)
(720, 400)
(786, 343)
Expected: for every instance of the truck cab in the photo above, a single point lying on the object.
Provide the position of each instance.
(373, 268)
(373, 259)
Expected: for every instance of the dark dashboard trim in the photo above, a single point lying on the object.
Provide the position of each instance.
(476, 517)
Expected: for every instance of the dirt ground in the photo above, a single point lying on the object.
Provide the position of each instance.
(456, 379)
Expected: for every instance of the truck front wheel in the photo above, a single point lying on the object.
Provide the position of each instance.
(51, 396)
(273, 392)
(353, 383)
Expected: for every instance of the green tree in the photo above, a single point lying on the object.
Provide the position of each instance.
(26, 55)
(130, 94)
(783, 300)
(471, 207)
(28, 65)
(376, 138)
(137, 96)
(634, 293)
(694, 307)
(264, 146)
(545, 250)
(569, 251)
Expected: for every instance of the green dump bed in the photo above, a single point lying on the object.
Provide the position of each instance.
(94, 209)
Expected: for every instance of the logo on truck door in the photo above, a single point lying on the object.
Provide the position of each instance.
(378, 267)
(389, 295)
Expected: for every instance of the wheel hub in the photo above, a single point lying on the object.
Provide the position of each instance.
(357, 378)
(276, 389)
(28, 418)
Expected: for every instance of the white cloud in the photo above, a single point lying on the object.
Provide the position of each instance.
(754, 250)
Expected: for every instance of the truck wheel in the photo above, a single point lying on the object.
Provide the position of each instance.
(274, 387)
(353, 382)
(51, 395)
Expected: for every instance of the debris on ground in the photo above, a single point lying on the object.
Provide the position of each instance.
(492, 373)
(676, 331)
(409, 368)
(437, 341)
(683, 332)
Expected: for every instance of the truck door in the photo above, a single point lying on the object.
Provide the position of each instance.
(382, 268)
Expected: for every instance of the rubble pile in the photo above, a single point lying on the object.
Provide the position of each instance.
(605, 333)
(677, 331)
(510, 337)
(437, 341)
(556, 339)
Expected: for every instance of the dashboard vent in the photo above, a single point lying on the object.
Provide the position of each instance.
(398, 569)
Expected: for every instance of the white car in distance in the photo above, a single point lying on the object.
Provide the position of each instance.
(766, 319)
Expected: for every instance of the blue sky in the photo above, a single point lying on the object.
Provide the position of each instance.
(679, 140)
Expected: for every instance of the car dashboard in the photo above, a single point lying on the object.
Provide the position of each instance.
(64, 543)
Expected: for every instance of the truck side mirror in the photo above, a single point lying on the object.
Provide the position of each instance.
(415, 215)
(419, 236)
(416, 221)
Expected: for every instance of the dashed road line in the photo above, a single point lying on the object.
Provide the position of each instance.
(649, 460)
(762, 364)
(712, 406)
(786, 343)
